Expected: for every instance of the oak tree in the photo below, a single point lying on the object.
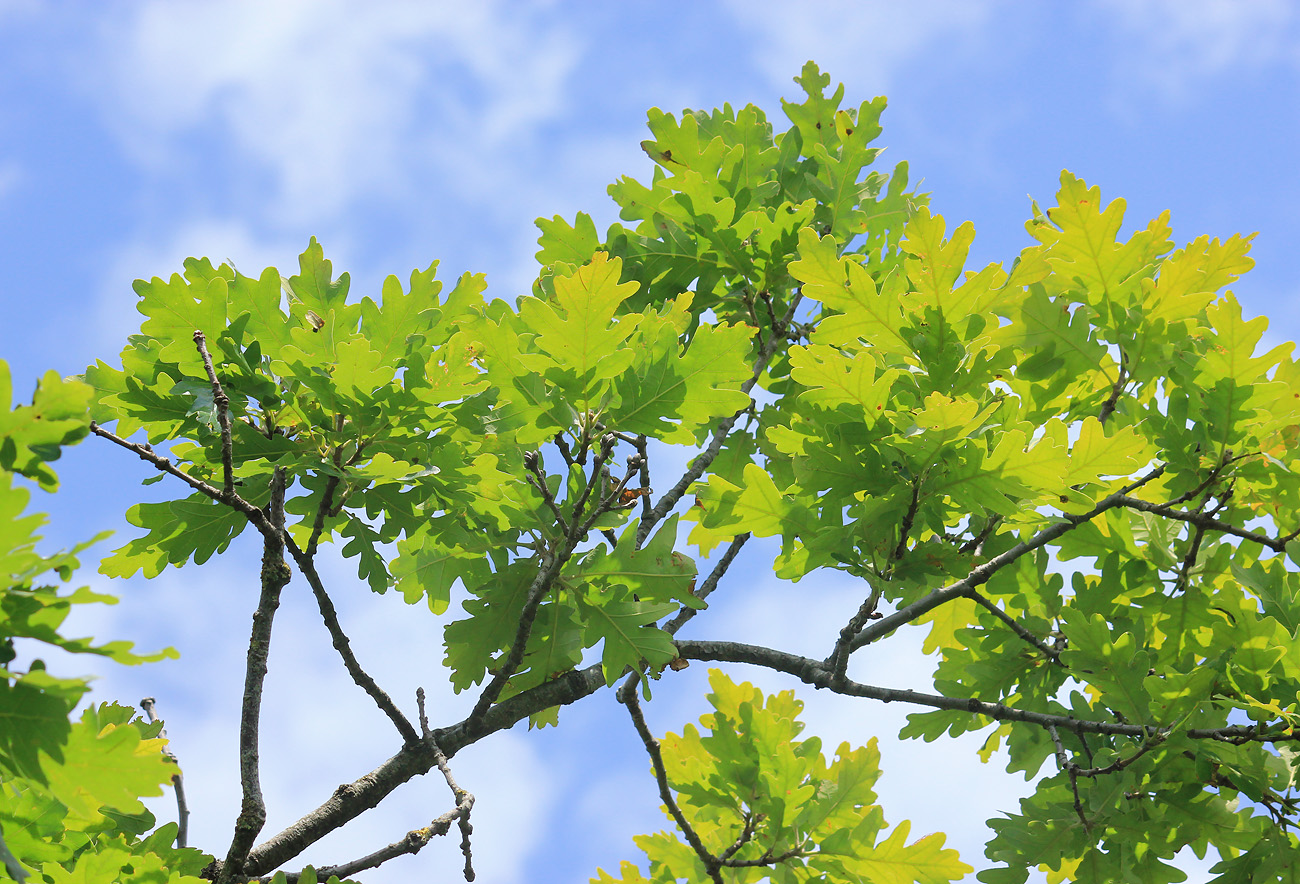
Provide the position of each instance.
(1076, 472)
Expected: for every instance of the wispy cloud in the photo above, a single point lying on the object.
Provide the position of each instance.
(331, 100)
(1180, 42)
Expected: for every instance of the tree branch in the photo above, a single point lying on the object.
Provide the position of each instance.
(536, 592)
(307, 565)
(627, 696)
(275, 576)
(819, 675)
(222, 401)
(983, 573)
(537, 478)
(178, 781)
(1206, 522)
(706, 457)
(1051, 653)
(351, 800)
(710, 583)
(146, 453)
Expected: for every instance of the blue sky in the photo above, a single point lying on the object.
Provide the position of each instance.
(133, 135)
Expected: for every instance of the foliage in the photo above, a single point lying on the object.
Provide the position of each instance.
(70, 787)
(1077, 473)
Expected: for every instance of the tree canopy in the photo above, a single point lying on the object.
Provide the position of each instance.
(1076, 473)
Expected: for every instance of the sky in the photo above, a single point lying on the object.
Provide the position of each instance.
(134, 135)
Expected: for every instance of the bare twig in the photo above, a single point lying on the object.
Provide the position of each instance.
(627, 696)
(413, 843)
(464, 804)
(178, 781)
(307, 565)
(275, 576)
(710, 583)
(222, 401)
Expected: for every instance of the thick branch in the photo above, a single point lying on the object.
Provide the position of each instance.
(819, 675)
(981, 575)
(275, 576)
(307, 565)
(351, 800)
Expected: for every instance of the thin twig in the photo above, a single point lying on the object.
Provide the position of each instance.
(222, 401)
(1051, 653)
(839, 657)
(275, 576)
(720, 433)
(645, 475)
(628, 697)
(307, 565)
(905, 528)
(146, 453)
(1204, 521)
(178, 781)
(710, 583)
(1072, 770)
(464, 804)
(326, 504)
(413, 843)
(1116, 390)
(536, 592)
(537, 478)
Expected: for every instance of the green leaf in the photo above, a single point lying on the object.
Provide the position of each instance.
(107, 763)
(626, 628)
(32, 435)
(578, 333)
(654, 573)
(195, 527)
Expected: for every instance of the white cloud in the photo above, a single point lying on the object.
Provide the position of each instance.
(333, 99)
(862, 42)
(1180, 41)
